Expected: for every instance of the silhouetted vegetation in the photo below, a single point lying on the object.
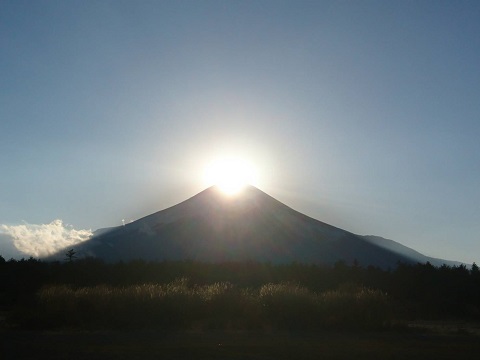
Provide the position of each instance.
(89, 293)
(70, 255)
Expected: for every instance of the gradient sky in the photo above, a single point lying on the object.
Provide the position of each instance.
(362, 114)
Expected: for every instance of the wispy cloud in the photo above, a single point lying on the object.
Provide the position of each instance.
(40, 240)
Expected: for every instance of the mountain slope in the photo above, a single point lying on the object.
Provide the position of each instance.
(413, 255)
(214, 227)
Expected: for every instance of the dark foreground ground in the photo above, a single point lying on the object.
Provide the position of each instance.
(419, 341)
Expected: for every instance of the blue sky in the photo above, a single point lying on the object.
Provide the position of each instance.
(362, 114)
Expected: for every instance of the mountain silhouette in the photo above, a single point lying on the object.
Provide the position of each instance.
(252, 225)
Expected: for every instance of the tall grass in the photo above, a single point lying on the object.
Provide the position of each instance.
(181, 305)
(290, 305)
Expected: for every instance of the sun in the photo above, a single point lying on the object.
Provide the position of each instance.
(230, 175)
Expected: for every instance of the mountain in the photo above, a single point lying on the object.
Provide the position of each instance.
(413, 255)
(252, 225)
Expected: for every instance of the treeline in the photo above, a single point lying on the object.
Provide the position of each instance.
(179, 293)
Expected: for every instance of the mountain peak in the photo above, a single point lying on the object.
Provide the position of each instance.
(213, 226)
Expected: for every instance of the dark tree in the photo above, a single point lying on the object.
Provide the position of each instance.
(474, 269)
(70, 255)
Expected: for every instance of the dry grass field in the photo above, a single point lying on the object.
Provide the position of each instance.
(188, 310)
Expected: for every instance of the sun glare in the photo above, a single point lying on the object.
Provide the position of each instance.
(230, 175)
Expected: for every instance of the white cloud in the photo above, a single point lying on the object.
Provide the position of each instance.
(44, 239)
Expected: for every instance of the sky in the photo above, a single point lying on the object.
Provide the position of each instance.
(362, 114)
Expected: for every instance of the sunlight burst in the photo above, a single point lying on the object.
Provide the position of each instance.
(230, 175)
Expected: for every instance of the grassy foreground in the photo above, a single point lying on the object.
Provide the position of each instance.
(92, 310)
(146, 344)
(178, 305)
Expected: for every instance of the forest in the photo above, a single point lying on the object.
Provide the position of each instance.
(92, 294)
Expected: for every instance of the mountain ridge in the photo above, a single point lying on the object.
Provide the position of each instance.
(213, 227)
(411, 253)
